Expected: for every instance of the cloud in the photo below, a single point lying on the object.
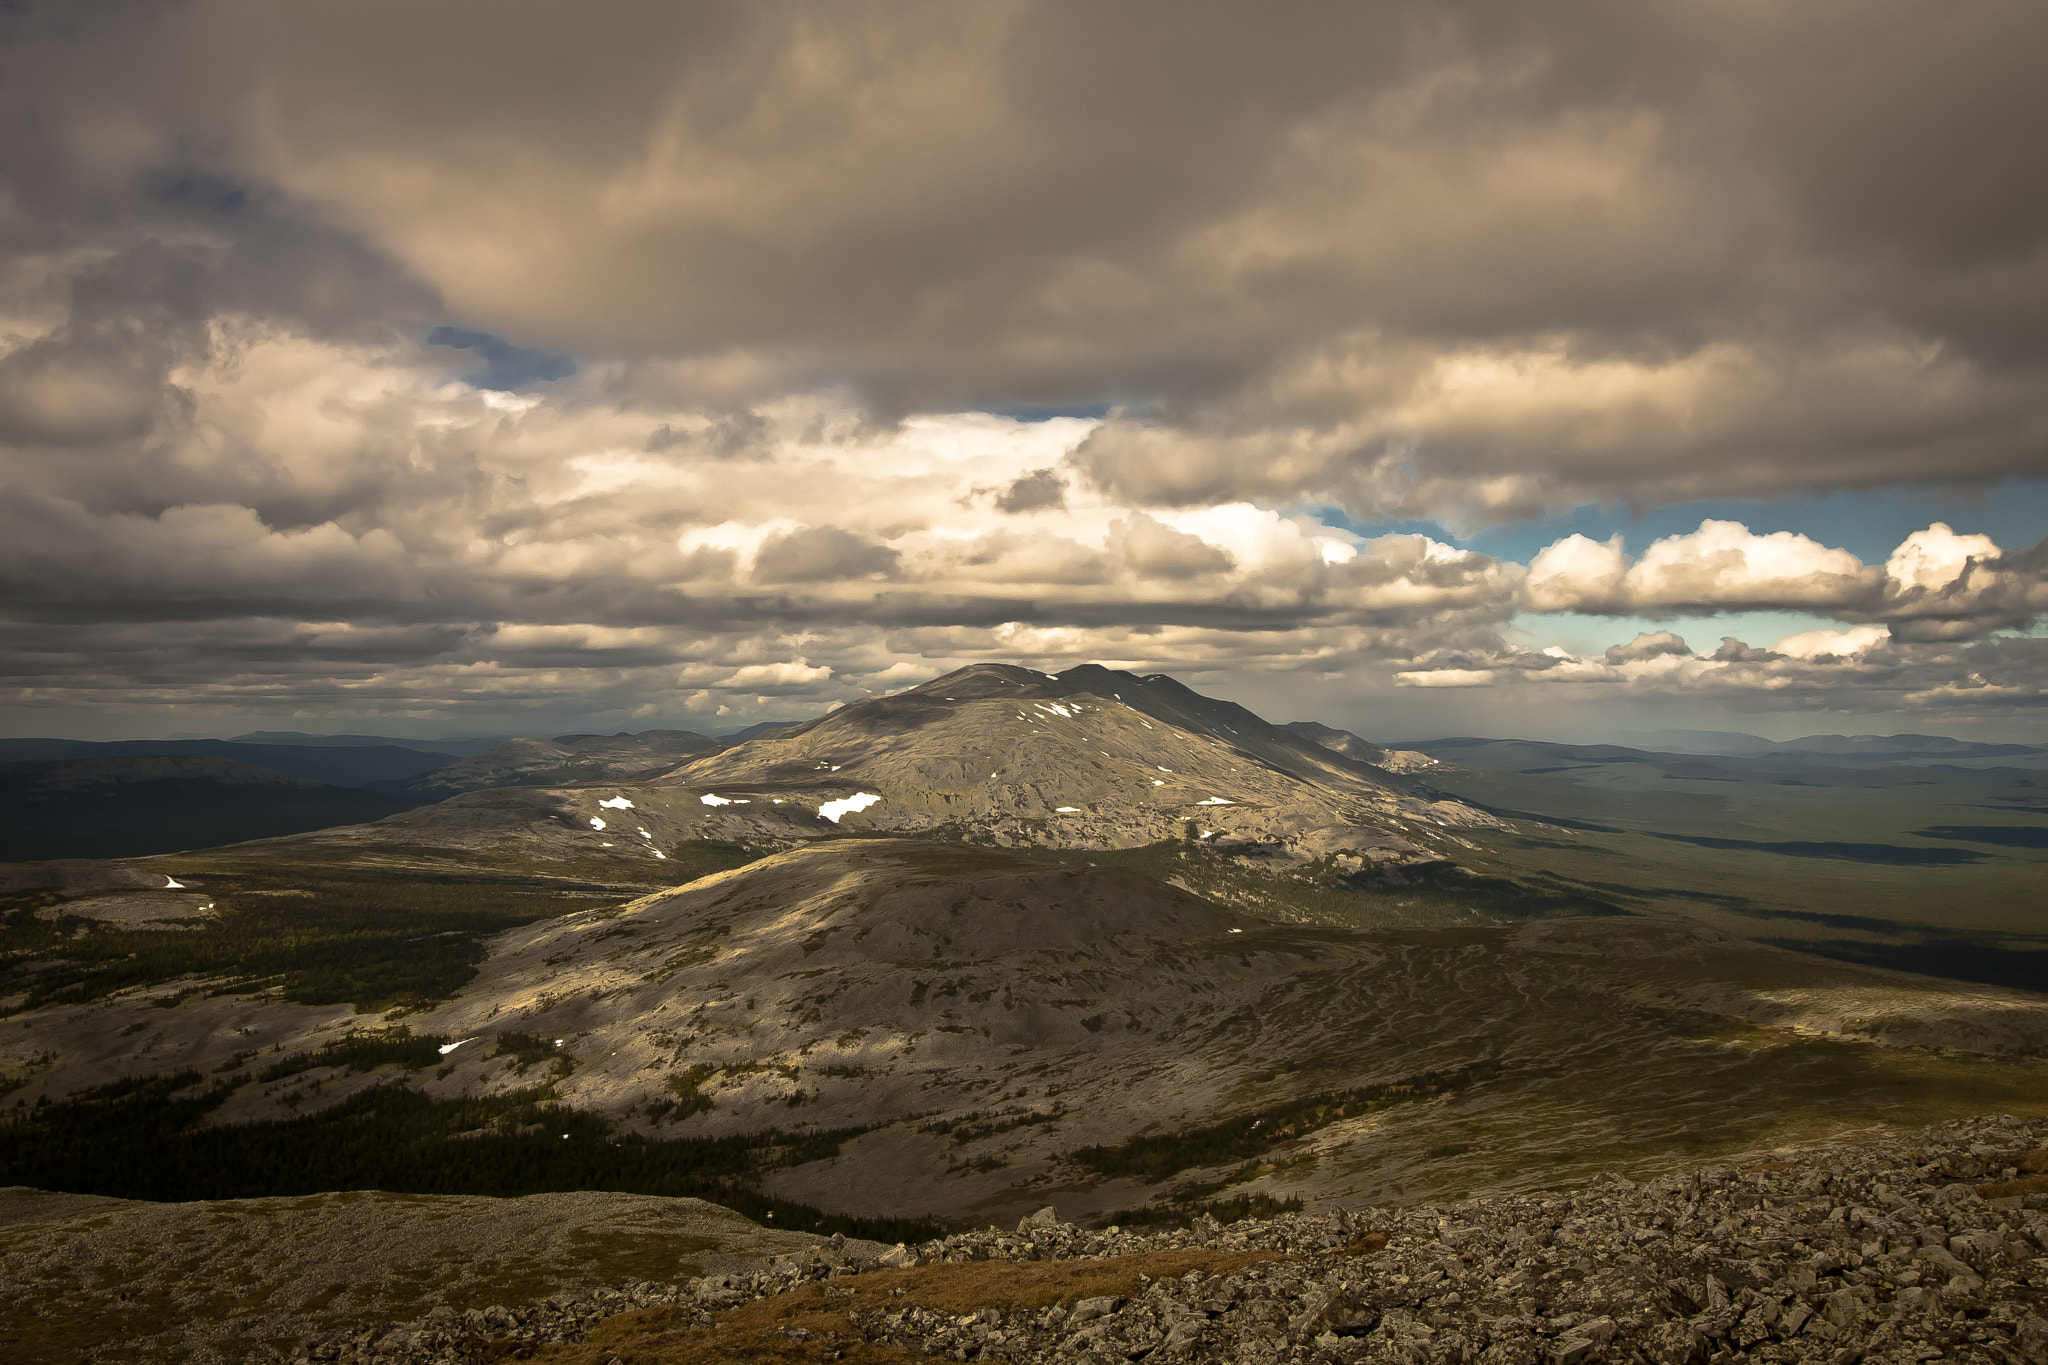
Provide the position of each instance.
(1723, 566)
(819, 554)
(558, 358)
(1030, 492)
(1649, 645)
(1356, 255)
(794, 676)
(1935, 585)
(1832, 644)
(1153, 550)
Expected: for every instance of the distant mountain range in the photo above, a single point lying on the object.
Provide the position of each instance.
(353, 765)
(123, 806)
(451, 747)
(563, 759)
(1854, 748)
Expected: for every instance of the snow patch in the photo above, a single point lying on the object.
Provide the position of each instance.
(1066, 810)
(712, 800)
(832, 810)
(616, 803)
(1215, 801)
(173, 884)
(596, 823)
(447, 1048)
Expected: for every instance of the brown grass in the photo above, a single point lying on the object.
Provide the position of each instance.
(2033, 1167)
(667, 1335)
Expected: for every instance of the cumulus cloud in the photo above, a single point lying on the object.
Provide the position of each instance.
(1722, 566)
(819, 554)
(1649, 645)
(1935, 585)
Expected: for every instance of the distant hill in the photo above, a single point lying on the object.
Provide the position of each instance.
(126, 806)
(340, 766)
(1857, 749)
(455, 748)
(1364, 750)
(565, 758)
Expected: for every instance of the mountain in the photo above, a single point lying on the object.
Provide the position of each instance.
(344, 766)
(129, 806)
(454, 748)
(565, 758)
(1089, 758)
(994, 754)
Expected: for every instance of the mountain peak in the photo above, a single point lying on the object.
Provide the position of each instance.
(1089, 758)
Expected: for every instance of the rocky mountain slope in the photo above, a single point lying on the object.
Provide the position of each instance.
(93, 1277)
(1925, 1246)
(1090, 758)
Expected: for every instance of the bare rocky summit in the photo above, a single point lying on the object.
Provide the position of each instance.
(1925, 1246)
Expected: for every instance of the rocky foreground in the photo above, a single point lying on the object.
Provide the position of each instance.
(1929, 1246)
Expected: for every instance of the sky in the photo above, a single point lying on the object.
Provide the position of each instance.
(484, 366)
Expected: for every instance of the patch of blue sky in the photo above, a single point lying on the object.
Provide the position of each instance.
(1868, 524)
(1045, 412)
(210, 193)
(506, 368)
